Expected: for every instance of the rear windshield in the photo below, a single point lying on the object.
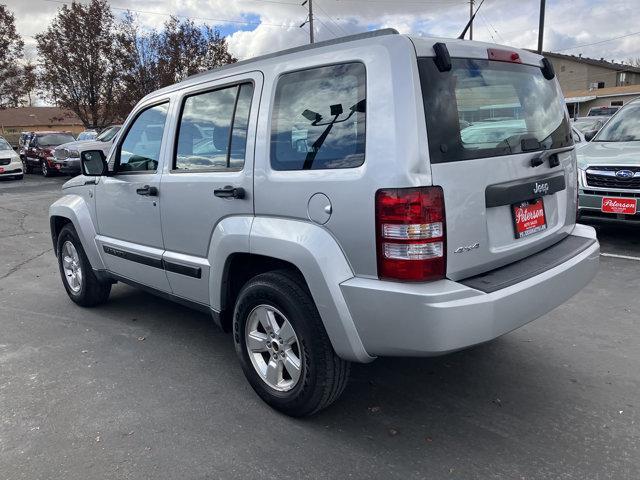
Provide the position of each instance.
(483, 108)
(594, 112)
(55, 139)
(624, 127)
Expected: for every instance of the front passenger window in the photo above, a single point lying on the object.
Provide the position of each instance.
(140, 149)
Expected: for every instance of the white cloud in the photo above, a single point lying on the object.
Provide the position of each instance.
(505, 21)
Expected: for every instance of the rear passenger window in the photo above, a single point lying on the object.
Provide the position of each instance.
(213, 129)
(318, 118)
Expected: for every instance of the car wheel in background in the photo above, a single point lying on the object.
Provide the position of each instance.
(283, 348)
(78, 278)
(26, 168)
(46, 171)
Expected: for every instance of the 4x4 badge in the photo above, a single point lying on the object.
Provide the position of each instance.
(468, 248)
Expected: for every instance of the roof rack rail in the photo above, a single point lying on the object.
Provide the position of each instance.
(302, 48)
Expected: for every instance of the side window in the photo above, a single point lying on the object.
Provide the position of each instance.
(318, 119)
(213, 129)
(140, 148)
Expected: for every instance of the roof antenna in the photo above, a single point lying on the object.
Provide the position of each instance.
(464, 32)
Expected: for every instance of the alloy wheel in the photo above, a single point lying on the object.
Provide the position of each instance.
(273, 347)
(71, 266)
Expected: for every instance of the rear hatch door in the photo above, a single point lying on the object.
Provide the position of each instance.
(500, 146)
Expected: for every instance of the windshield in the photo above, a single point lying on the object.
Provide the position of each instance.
(89, 135)
(4, 145)
(108, 134)
(54, 139)
(623, 127)
(483, 108)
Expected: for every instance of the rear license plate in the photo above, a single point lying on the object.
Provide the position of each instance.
(528, 217)
(619, 205)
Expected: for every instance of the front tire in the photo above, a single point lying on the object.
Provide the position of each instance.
(78, 278)
(283, 348)
(26, 168)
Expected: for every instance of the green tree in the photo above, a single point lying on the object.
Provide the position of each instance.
(81, 63)
(11, 49)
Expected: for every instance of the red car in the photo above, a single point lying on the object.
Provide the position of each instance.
(39, 151)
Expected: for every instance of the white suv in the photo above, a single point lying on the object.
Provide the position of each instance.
(369, 196)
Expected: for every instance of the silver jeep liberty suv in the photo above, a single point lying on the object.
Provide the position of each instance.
(375, 195)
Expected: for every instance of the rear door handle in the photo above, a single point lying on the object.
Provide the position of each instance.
(229, 192)
(147, 191)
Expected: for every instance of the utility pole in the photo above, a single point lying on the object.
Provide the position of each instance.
(309, 19)
(471, 19)
(541, 26)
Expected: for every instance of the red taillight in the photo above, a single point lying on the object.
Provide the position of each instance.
(410, 233)
(503, 55)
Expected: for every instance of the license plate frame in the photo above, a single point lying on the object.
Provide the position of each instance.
(529, 217)
(619, 205)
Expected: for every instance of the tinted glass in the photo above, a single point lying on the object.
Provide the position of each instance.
(483, 108)
(4, 145)
(594, 112)
(318, 119)
(205, 129)
(240, 126)
(54, 139)
(624, 127)
(140, 149)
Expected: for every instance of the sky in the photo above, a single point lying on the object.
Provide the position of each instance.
(608, 29)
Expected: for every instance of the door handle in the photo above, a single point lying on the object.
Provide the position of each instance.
(147, 191)
(229, 192)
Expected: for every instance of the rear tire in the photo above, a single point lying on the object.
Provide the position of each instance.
(78, 278)
(322, 375)
(46, 171)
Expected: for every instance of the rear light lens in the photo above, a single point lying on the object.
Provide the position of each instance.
(410, 233)
(503, 55)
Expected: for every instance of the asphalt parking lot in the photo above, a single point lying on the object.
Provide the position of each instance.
(143, 388)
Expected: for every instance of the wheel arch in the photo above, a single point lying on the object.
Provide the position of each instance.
(306, 250)
(72, 209)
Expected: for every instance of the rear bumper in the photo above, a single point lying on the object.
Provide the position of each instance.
(400, 319)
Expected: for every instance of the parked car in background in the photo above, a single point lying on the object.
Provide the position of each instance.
(589, 126)
(602, 111)
(67, 156)
(332, 212)
(90, 134)
(609, 169)
(39, 154)
(10, 163)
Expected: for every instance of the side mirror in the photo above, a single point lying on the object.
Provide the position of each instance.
(94, 163)
(590, 134)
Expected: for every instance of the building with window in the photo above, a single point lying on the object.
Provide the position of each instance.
(37, 119)
(581, 73)
(579, 102)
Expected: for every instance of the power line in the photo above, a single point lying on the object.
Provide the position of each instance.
(598, 43)
(331, 19)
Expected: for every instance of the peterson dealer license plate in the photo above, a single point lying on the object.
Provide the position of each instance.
(619, 205)
(528, 217)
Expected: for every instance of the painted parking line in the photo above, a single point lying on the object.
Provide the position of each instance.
(625, 257)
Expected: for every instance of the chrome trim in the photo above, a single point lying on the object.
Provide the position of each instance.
(609, 173)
